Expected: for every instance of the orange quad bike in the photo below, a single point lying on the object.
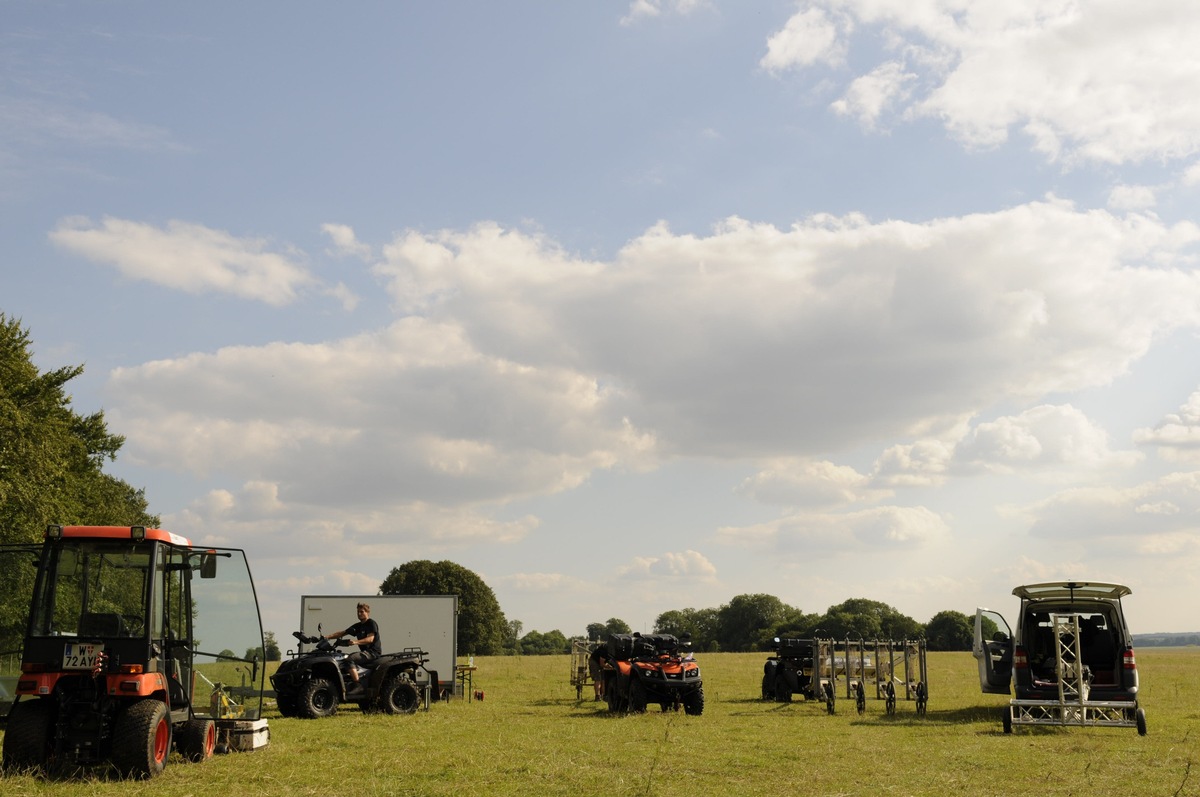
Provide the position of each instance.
(636, 670)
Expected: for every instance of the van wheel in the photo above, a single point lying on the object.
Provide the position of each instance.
(1141, 721)
(1006, 719)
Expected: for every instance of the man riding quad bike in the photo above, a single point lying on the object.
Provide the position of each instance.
(314, 682)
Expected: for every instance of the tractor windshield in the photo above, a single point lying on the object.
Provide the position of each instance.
(94, 588)
(228, 638)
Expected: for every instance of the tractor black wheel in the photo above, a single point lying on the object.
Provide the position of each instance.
(399, 695)
(196, 740)
(318, 698)
(637, 697)
(28, 740)
(142, 739)
(693, 702)
(783, 692)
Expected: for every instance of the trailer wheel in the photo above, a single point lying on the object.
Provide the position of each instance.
(922, 698)
(860, 697)
(891, 698)
(142, 739)
(1006, 720)
(28, 742)
(830, 700)
(1140, 715)
(693, 702)
(197, 739)
(317, 699)
(399, 695)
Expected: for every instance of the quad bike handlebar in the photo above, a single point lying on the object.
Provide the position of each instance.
(323, 643)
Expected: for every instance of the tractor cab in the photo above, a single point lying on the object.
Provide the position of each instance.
(127, 636)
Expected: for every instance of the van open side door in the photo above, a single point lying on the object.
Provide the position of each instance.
(993, 650)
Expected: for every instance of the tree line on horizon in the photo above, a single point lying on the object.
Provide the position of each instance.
(752, 622)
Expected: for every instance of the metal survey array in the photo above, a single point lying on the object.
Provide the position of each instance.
(894, 669)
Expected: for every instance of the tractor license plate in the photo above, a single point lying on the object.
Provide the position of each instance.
(81, 657)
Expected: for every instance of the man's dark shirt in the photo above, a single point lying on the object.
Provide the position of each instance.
(363, 629)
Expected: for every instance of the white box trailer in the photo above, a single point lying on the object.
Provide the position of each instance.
(428, 622)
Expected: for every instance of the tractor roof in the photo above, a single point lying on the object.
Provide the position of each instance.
(116, 533)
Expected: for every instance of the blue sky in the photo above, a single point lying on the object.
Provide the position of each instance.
(629, 306)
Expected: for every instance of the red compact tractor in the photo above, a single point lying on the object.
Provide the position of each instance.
(111, 668)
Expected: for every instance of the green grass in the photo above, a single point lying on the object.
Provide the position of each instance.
(529, 736)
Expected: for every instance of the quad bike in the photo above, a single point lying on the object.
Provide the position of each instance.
(636, 670)
(314, 682)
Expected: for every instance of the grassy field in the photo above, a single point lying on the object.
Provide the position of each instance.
(529, 736)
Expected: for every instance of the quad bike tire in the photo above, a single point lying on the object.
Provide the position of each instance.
(286, 705)
(317, 698)
(637, 697)
(693, 702)
(612, 695)
(399, 695)
(768, 680)
(196, 740)
(28, 740)
(142, 739)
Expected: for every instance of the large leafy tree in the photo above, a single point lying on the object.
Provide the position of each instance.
(482, 628)
(536, 643)
(602, 631)
(748, 622)
(949, 630)
(51, 461)
(867, 619)
(700, 624)
(51, 457)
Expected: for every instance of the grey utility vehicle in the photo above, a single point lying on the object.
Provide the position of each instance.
(1069, 660)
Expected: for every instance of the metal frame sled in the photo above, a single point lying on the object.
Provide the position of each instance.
(1073, 706)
